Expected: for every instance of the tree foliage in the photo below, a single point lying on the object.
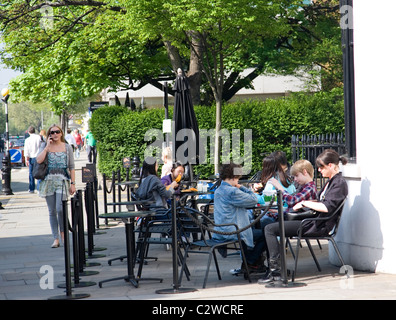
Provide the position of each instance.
(77, 48)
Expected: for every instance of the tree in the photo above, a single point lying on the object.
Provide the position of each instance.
(80, 47)
(225, 37)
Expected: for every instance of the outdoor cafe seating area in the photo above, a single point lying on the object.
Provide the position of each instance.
(182, 231)
(186, 224)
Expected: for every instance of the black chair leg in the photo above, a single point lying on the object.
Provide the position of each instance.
(183, 265)
(290, 247)
(216, 263)
(207, 270)
(245, 262)
(313, 254)
(296, 258)
(337, 251)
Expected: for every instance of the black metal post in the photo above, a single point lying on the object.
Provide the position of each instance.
(349, 77)
(96, 207)
(166, 109)
(78, 268)
(284, 281)
(176, 284)
(78, 259)
(81, 237)
(89, 206)
(66, 248)
(90, 222)
(6, 162)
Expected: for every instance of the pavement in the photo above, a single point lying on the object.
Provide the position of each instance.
(31, 270)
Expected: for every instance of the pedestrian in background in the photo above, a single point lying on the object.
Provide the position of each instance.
(79, 142)
(31, 150)
(90, 144)
(70, 139)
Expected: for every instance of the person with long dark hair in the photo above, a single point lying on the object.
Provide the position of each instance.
(329, 199)
(176, 174)
(272, 169)
(150, 186)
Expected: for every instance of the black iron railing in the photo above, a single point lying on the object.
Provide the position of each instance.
(310, 146)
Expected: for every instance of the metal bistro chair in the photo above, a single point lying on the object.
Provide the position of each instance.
(199, 220)
(157, 232)
(330, 237)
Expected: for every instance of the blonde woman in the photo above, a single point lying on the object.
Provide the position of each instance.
(59, 181)
(167, 158)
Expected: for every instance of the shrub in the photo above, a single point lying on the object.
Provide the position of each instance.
(120, 132)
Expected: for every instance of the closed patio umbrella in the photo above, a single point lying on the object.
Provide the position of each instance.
(133, 105)
(127, 103)
(117, 101)
(184, 118)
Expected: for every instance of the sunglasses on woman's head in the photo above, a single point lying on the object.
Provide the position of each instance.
(55, 131)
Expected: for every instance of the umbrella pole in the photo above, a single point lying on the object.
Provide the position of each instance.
(176, 285)
(166, 109)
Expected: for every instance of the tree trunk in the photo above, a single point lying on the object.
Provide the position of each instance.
(217, 136)
(194, 74)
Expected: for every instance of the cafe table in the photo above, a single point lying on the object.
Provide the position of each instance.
(131, 202)
(128, 219)
(128, 203)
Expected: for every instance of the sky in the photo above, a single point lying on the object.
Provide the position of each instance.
(6, 74)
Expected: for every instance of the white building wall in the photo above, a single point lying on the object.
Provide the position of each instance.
(368, 226)
(265, 86)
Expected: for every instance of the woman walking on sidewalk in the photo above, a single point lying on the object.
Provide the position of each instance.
(59, 181)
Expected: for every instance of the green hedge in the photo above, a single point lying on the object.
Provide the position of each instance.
(120, 132)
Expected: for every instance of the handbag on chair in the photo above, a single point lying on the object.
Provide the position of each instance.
(301, 215)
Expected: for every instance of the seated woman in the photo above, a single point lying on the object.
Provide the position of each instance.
(272, 170)
(177, 172)
(150, 186)
(330, 198)
(231, 201)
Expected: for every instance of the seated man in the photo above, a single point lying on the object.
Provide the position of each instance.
(231, 201)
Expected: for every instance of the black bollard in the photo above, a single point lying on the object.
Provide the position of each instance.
(69, 295)
(78, 244)
(78, 269)
(81, 237)
(89, 206)
(6, 174)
